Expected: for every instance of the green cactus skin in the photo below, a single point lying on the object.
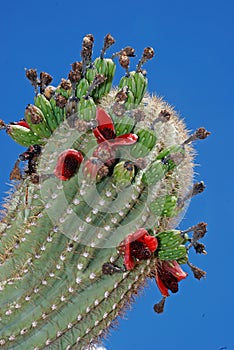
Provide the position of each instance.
(55, 236)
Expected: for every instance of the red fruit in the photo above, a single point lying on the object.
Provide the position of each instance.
(68, 164)
(22, 123)
(139, 245)
(105, 131)
(168, 275)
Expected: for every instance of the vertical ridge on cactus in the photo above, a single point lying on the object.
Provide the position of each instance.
(108, 175)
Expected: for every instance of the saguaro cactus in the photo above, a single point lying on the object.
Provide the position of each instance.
(107, 175)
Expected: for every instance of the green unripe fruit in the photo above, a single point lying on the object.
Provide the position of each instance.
(146, 141)
(106, 67)
(101, 66)
(141, 86)
(179, 252)
(64, 89)
(23, 136)
(90, 74)
(137, 84)
(59, 112)
(86, 109)
(128, 81)
(44, 105)
(123, 174)
(183, 260)
(82, 88)
(154, 173)
(123, 125)
(164, 206)
(169, 239)
(37, 121)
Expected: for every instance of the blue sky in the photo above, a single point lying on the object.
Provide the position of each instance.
(192, 70)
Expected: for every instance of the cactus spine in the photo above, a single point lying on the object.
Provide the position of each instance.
(94, 213)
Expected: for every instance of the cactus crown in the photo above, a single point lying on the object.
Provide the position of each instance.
(108, 174)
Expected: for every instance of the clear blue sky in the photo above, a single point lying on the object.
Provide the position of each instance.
(193, 70)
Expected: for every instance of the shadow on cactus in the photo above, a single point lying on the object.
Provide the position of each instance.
(105, 180)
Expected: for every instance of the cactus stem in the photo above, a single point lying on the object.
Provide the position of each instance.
(88, 220)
